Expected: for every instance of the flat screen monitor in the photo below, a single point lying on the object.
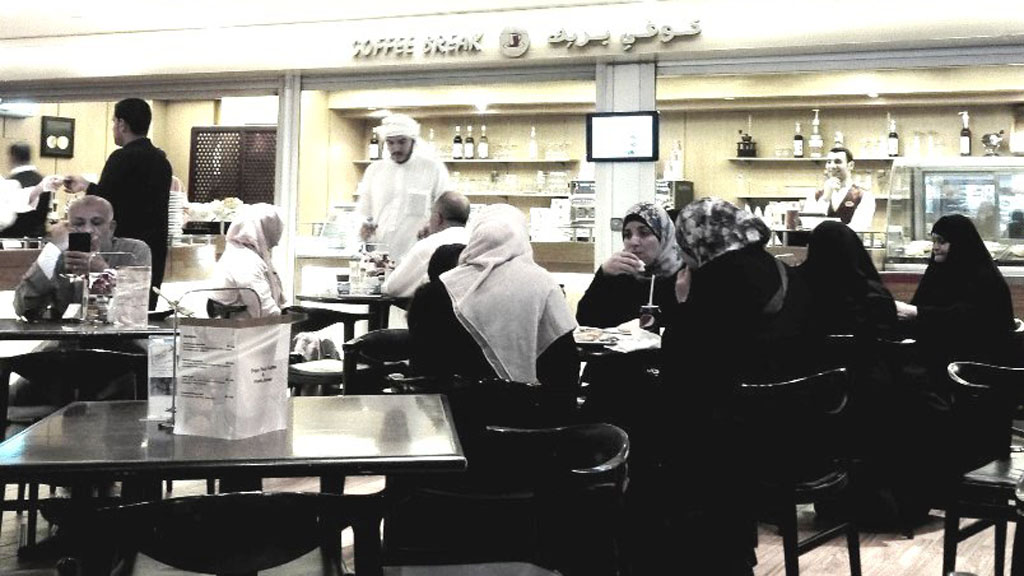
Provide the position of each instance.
(622, 137)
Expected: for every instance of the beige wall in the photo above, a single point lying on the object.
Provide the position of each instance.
(346, 145)
(175, 135)
(314, 150)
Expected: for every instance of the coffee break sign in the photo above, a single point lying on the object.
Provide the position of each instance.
(514, 42)
(445, 44)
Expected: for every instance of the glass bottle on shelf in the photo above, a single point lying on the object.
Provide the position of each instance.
(816, 144)
(457, 143)
(468, 150)
(839, 140)
(798, 143)
(965, 135)
(894, 139)
(532, 152)
(373, 150)
(482, 148)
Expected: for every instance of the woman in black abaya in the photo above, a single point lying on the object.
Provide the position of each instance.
(961, 311)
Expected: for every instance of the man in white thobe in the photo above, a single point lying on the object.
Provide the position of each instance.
(396, 193)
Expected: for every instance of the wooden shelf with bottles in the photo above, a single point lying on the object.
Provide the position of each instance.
(496, 194)
(790, 196)
(773, 160)
(490, 161)
(539, 195)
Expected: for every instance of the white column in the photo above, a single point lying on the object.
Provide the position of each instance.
(621, 88)
(286, 185)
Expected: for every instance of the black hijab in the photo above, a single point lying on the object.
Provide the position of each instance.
(967, 262)
(444, 259)
(847, 293)
(964, 305)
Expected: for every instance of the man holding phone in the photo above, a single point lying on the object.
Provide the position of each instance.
(90, 228)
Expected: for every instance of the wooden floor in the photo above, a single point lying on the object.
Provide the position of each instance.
(882, 554)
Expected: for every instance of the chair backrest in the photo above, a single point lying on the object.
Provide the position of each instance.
(568, 480)
(580, 456)
(793, 430)
(215, 309)
(231, 533)
(369, 358)
(830, 351)
(988, 397)
(479, 404)
(317, 318)
(76, 375)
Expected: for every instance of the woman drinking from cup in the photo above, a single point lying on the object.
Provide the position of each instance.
(623, 282)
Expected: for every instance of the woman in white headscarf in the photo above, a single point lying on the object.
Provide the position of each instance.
(500, 314)
(246, 262)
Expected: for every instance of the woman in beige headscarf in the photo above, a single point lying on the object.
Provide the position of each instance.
(246, 261)
(499, 313)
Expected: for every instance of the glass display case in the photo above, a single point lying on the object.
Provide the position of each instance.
(989, 190)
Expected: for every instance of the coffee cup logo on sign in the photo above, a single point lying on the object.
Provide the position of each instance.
(513, 42)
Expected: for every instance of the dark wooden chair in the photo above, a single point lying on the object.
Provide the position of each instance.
(317, 318)
(370, 358)
(64, 567)
(215, 309)
(987, 493)
(59, 377)
(792, 429)
(541, 497)
(326, 374)
(239, 533)
(573, 474)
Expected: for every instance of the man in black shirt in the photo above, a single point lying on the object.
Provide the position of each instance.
(137, 181)
(29, 224)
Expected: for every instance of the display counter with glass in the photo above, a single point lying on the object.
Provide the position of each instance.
(15, 258)
(192, 257)
(989, 190)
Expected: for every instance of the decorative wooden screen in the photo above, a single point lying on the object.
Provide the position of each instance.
(234, 161)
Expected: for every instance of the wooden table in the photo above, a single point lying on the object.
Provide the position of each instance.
(14, 329)
(378, 305)
(326, 436)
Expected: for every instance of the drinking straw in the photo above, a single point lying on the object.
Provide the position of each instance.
(650, 299)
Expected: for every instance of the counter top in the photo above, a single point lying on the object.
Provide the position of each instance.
(1009, 271)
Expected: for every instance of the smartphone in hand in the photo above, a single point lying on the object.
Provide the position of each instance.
(80, 242)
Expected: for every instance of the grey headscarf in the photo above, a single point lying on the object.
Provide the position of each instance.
(670, 256)
(710, 227)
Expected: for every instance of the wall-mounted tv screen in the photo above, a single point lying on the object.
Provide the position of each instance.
(622, 137)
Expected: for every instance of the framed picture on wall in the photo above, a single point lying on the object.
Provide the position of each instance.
(58, 137)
